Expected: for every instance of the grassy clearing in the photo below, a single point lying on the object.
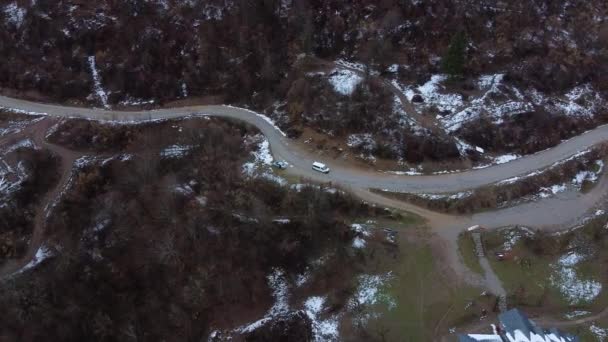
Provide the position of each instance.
(532, 262)
(526, 280)
(466, 247)
(524, 274)
(596, 331)
(424, 301)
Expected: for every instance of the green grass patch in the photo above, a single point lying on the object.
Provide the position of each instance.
(525, 275)
(526, 280)
(424, 300)
(466, 247)
(532, 262)
(589, 332)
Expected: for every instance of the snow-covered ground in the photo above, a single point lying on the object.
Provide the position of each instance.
(355, 66)
(131, 101)
(261, 156)
(11, 179)
(587, 175)
(600, 333)
(14, 14)
(456, 196)
(261, 165)
(439, 196)
(322, 330)
(42, 254)
(25, 143)
(175, 151)
(362, 232)
(566, 279)
(98, 90)
(280, 292)
(405, 119)
(16, 126)
(344, 81)
(369, 289)
(433, 95)
(369, 293)
(552, 190)
(513, 235)
(576, 183)
(576, 314)
(497, 100)
(361, 141)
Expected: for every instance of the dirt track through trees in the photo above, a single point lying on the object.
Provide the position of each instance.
(37, 132)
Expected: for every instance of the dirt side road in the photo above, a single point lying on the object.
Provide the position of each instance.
(37, 132)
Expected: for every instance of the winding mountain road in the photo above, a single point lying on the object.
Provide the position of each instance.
(301, 161)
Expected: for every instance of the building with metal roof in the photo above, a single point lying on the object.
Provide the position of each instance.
(515, 326)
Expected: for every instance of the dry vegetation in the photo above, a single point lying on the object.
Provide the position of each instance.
(17, 210)
(54, 40)
(527, 133)
(168, 248)
(229, 50)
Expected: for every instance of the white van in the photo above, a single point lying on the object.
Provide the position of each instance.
(320, 167)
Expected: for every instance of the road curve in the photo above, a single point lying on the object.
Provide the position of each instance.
(301, 160)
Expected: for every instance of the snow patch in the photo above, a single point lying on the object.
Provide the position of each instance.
(359, 243)
(552, 190)
(323, 330)
(590, 176)
(97, 87)
(362, 141)
(261, 156)
(368, 291)
(512, 236)
(411, 172)
(456, 196)
(14, 14)
(25, 143)
(463, 147)
(506, 158)
(576, 313)
(42, 254)
(175, 151)
(344, 81)
(131, 101)
(280, 292)
(566, 280)
(430, 91)
(600, 333)
(361, 229)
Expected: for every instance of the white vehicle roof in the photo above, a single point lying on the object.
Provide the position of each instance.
(317, 164)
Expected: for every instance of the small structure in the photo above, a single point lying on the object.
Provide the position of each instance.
(515, 326)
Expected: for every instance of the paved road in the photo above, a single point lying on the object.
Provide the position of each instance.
(301, 160)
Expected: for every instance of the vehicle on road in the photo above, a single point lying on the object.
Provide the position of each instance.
(280, 164)
(320, 167)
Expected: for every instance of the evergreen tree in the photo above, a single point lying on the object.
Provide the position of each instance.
(453, 62)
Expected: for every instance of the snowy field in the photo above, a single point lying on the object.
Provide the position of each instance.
(567, 280)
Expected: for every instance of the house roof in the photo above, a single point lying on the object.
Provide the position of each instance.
(516, 326)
